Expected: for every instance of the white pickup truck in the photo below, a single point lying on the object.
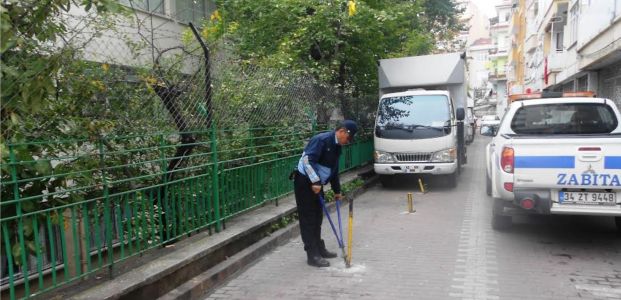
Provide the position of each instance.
(556, 153)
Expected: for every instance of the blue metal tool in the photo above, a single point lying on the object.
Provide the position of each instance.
(339, 239)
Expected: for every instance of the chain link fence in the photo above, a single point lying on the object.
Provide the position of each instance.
(141, 139)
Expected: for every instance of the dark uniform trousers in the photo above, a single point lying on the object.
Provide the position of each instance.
(310, 213)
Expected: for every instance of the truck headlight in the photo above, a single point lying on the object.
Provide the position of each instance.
(383, 157)
(447, 155)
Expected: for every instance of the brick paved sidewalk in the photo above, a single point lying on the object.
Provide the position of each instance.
(395, 255)
(446, 250)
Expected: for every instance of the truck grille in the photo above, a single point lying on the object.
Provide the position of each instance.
(413, 157)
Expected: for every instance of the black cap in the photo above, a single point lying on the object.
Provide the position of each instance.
(351, 127)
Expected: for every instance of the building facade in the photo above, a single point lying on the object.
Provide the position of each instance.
(479, 85)
(515, 65)
(570, 45)
(478, 23)
(501, 39)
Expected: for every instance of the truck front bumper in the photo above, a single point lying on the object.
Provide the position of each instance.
(416, 168)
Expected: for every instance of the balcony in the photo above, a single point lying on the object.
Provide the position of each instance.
(498, 74)
(556, 61)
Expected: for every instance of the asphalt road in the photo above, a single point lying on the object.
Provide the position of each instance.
(445, 250)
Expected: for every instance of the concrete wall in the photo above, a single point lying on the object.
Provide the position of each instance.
(596, 18)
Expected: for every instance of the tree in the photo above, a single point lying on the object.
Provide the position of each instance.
(327, 40)
(442, 19)
(31, 31)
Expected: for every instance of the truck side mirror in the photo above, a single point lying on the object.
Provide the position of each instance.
(461, 114)
(488, 130)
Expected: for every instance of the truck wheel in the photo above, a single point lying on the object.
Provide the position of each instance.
(385, 180)
(618, 222)
(488, 185)
(451, 180)
(499, 221)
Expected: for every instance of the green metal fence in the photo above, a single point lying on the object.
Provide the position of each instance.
(74, 207)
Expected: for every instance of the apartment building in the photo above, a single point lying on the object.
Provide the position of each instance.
(478, 76)
(515, 64)
(593, 49)
(570, 45)
(500, 35)
(477, 22)
(478, 56)
(533, 49)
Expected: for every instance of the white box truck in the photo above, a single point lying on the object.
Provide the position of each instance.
(419, 125)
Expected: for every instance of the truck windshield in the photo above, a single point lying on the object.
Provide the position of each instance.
(567, 118)
(413, 117)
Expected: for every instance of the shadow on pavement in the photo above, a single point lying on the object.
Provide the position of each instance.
(410, 182)
(561, 229)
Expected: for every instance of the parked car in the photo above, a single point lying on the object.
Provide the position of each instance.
(556, 155)
(470, 125)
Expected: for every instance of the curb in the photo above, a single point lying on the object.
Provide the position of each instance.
(203, 284)
(162, 270)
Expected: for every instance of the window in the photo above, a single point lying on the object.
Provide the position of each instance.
(583, 83)
(568, 87)
(574, 118)
(558, 41)
(191, 10)
(502, 44)
(414, 117)
(574, 13)
(155, 6)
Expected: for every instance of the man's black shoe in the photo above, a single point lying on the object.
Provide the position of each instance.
(324, 252)
(317, 261)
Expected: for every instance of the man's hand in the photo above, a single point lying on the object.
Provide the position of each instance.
(338, 196)
(316, 188)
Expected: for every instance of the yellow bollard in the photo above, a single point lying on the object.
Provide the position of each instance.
(421, 185)
(350, 233)
(411, 208)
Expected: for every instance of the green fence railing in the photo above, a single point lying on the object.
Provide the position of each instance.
(71, 208)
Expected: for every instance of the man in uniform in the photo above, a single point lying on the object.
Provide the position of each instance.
(318, 166)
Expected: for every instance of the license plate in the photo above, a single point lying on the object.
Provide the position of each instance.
(587, 198)
(411, 169)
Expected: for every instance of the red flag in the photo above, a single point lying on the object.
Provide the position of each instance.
(545, 71)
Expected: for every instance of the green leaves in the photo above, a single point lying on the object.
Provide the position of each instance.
(16, 250)
(32, 57)
(320, 36)
(43, 167)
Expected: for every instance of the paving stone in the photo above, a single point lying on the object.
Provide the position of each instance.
(446, 250)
